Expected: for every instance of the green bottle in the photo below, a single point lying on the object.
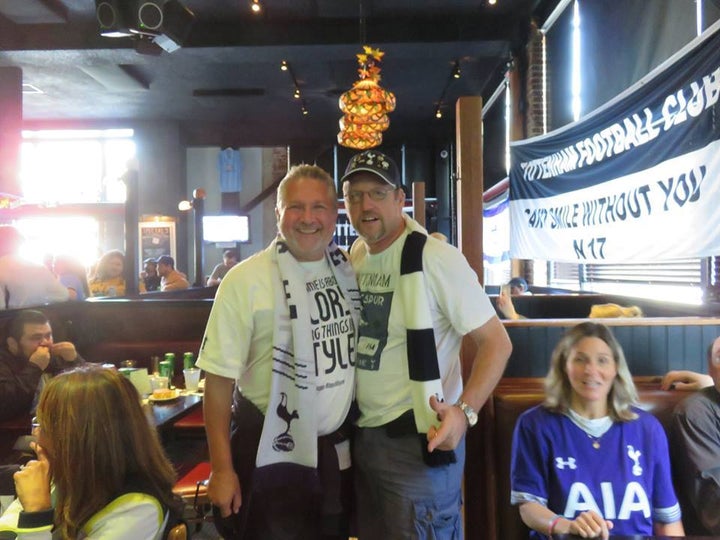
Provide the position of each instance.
(188, 360)
(170, 357)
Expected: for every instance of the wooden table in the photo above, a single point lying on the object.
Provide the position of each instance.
(165, 413)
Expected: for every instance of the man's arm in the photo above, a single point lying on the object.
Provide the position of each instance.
(506, 307)
(685, 380)
(214, 278)
(696, 450)
(178, 283)
(224, 486)
(493, 350)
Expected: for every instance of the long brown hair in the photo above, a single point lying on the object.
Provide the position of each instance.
(558, 391)
(98, 440)
(101, 269)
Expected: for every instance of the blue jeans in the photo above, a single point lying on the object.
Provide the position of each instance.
(398, 496)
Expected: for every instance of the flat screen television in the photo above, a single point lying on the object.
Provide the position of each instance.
(226, 228)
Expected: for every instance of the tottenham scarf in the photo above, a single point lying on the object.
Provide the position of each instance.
(289, 432)
(420, 337)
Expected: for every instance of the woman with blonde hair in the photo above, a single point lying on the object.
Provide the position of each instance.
(108, 278)
(110, 477)
(588, 460)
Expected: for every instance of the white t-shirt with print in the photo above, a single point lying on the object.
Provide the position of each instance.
(239, 336)
(458, 305)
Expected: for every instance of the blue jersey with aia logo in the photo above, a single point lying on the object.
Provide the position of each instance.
(624, 475)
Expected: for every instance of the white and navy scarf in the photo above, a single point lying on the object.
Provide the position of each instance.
(420, 337)
(290, 427)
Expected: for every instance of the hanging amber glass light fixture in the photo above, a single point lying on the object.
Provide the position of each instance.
(365, 105)
(359, 140)
(374, 122)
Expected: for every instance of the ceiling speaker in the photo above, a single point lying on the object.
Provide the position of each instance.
(166, 22)
(112, 18)
(174, 30)
(150, 15)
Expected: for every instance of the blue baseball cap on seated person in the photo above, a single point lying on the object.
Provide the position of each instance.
(166, 259)
(519, 282)
(376, 163)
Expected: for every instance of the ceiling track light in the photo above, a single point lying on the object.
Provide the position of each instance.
(456, 70)
(285, 66)
(255, 6)
(454, 74)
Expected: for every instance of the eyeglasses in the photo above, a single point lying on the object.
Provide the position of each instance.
(378, 194)
(35, 423)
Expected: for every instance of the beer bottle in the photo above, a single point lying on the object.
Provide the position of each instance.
(170, 357)
(188, 360)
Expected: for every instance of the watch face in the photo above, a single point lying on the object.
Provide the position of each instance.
(472, 418)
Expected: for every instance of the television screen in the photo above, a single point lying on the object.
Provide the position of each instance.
(226, 228)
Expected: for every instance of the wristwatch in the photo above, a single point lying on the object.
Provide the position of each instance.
(470, 414)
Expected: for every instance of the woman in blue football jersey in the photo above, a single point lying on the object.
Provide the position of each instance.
(587, 461)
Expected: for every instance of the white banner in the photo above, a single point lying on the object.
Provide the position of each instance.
(636, 180)
(664, 212)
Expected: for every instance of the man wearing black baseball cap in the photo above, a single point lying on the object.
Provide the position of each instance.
(149, 277)
(420, 298)
(170, 279)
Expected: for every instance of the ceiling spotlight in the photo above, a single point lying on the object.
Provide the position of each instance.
(304, 110)
(284, 65)
(456, 70)
(492, 2)
(438, 112)
(297, 93)
(255, 6)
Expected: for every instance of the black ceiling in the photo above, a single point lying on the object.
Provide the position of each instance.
(227, 79)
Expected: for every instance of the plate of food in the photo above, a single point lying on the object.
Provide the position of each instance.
(163, 394)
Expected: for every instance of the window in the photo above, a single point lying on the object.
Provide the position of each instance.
(61, 167)
(74, 236)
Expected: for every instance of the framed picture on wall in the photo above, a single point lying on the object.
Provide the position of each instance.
(156, 238)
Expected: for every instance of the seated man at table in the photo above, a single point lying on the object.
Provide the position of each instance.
(27, 358)
(695, 451)
(170, 279)
(230, 259)
(149, 277)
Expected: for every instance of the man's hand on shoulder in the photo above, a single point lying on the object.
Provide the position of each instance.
(65, 350)
(453, 425)
(41, 358)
